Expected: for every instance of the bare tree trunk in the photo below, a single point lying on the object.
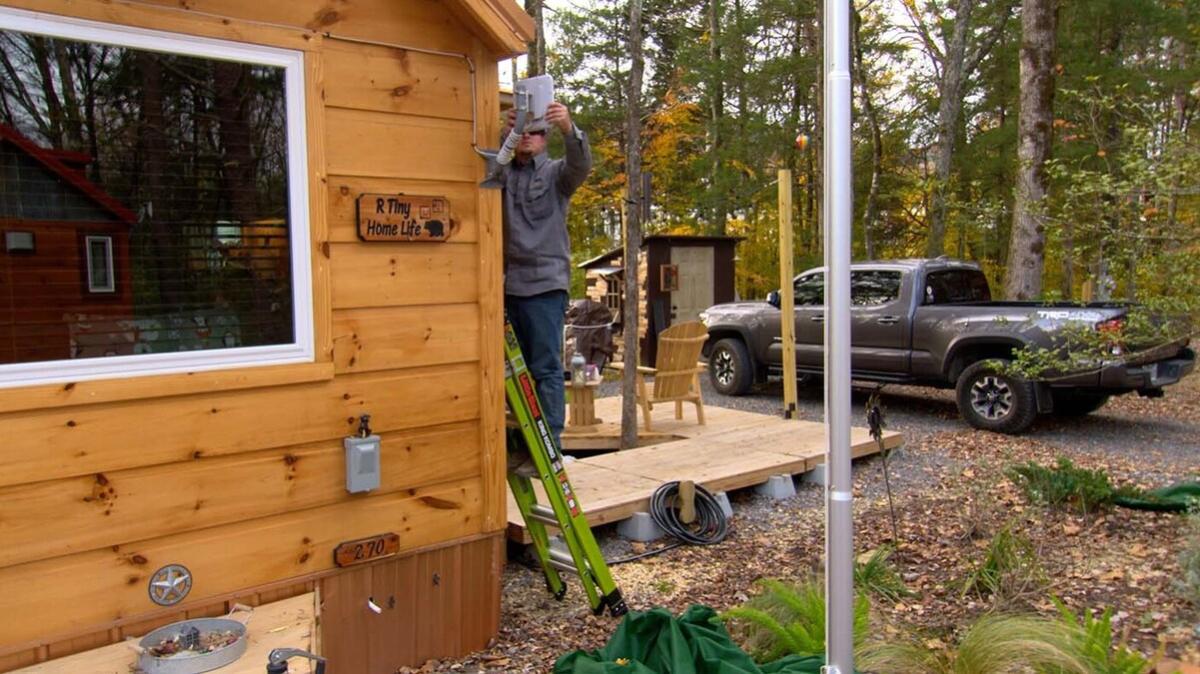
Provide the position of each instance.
(537, 48)
(72, 122)
(153, 150)
(1177, 124)
(1068, 262)
(949, 109)
(716, 114)
(89, 108)
(238, 174)
(1027, 247)
(633, 226)
(816, 152)
(871, 214)
(54, 110)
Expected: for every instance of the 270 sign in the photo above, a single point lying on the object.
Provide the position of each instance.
(366, 549)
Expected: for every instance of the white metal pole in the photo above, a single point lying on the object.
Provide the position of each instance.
(839, 513)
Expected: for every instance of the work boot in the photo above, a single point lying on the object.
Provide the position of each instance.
(522, 464)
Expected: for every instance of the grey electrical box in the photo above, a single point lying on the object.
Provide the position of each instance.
(362, 459)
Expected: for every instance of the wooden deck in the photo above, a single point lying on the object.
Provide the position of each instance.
(735, 449)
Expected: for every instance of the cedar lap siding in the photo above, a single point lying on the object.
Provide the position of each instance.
(44, 193)
(238, 473)
(659, 308)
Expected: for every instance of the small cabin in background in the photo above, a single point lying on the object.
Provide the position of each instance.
(680, 276)
(65, 258)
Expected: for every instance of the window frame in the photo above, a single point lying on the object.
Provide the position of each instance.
(899, 279)
(302, 348)
(92, 287)
(806, 277)
(668, 278)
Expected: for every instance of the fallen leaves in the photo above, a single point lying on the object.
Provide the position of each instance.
(952, 497)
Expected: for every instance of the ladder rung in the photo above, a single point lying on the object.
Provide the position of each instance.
(562, 561)
(544, 515)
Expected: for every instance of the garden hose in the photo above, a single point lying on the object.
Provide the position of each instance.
(710, 526)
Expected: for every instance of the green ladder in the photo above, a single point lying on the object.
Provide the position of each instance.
(564, 512)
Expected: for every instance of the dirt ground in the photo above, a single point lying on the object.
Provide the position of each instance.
(951, 496)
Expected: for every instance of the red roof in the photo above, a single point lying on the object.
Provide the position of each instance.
(53, 161)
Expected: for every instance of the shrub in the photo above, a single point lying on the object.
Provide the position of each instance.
(993, 644)
(1090, 641)
(1009, 570)
(788, 620)
(877, 576)
(1064, 485)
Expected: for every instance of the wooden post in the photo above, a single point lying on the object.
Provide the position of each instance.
(687, 501)
(787, 306)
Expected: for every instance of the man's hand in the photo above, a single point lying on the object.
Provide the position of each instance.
(510, 120)
(557, 115)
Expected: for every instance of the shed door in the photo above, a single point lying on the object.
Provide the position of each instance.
(695, 292)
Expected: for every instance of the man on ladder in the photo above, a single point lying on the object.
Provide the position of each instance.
(537, 276)
(537, 249)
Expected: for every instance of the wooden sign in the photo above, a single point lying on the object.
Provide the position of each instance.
(366, 549)
(403, 217)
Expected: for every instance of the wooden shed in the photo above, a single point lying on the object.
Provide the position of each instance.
(207, 467)
(680, 276)
(66, 253)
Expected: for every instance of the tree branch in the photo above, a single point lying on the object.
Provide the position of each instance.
(984, 47)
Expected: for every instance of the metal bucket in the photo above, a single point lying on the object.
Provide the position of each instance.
(191, 662)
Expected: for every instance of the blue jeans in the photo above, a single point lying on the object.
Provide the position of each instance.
(538, 322)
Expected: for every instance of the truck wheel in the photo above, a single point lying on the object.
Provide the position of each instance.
(729, 367)
(1068, 403)
(992, 400)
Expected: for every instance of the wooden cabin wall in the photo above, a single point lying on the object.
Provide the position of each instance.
(54, 281)
(238, 474)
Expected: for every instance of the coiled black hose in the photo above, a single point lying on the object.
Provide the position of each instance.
(710, 526)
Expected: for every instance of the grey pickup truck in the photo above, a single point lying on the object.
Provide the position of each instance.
(933, 323)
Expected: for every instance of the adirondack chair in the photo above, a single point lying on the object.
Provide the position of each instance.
(676, 371)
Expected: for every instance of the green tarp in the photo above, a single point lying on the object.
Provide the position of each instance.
(655, 642)
(1175, 499)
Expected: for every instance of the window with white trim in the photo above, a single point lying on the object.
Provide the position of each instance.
(165, 179)
(100, 264)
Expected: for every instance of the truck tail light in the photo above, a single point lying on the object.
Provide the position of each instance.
(1112, 333)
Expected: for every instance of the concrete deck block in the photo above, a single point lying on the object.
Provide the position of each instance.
(777, 487)
(723, 501)
(641, 528)
(557, 543)
(816, 476)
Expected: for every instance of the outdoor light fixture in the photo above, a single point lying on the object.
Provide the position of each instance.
(18, 242)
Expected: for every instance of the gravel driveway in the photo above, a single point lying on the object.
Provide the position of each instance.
(1170, 424)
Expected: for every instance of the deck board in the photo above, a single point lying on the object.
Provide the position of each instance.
(735, 449)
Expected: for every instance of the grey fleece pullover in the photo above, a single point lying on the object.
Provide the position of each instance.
(537, 249)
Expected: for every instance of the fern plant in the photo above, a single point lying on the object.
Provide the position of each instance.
(994, 644)
(788, 620)
(1090, 640)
